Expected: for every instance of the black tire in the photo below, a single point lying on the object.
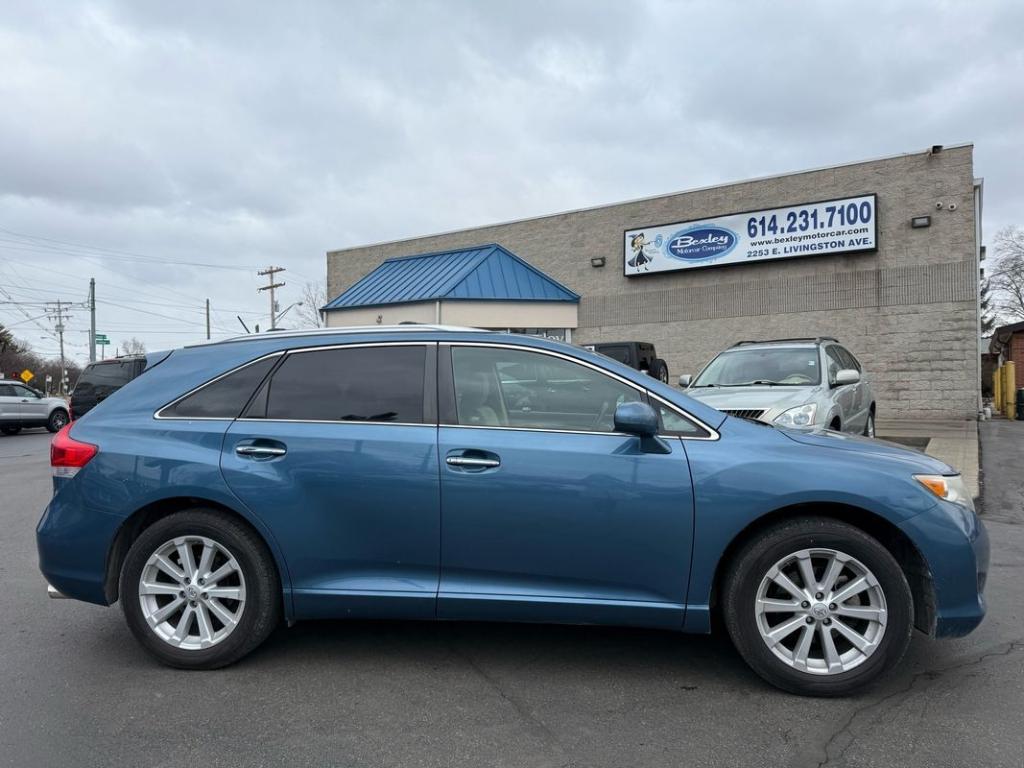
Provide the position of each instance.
(869, 425)
(57, 420)
(262, 610)
(753, 562)
(659, 370)
(10, 430)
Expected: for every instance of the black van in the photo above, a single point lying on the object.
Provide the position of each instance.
(101, 379)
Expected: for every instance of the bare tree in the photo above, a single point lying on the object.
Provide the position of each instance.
(1007, 279)
(314, 296)
(133, 347)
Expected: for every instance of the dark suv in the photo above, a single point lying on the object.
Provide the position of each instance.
(101, 379)
(640, 355)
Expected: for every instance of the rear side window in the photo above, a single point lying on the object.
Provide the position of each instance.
(374, 384)
(222, 398)
(618, 352)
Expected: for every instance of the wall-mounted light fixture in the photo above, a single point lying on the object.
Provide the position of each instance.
(920, 222)
(597, 261)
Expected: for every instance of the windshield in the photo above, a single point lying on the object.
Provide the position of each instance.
(781, 366)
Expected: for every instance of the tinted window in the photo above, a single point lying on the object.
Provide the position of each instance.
(21, 391)
(618, 352)
(497, 387)
(358, 384)
(104, 378)
(6, 390)
(223, 398)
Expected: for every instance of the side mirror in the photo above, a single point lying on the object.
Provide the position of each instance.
(684, 380)
(640, 419)
(847, 376)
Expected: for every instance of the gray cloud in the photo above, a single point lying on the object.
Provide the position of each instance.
(244, 134)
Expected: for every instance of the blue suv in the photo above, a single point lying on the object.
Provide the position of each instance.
(439, 473)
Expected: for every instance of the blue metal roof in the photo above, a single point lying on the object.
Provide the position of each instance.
(481, 273)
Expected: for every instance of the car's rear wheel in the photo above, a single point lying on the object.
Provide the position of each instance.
(10, 430)
(659, 370)
(199, 589)
(57, 420)
(818, 607)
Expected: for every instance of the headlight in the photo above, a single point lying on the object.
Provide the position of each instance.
(948, 488)
(801, 416)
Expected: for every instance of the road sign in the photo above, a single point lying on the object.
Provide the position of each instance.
(26, 376)
(102, 336)
(104, 342)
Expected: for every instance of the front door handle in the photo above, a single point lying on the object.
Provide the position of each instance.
(470, 460)
(260, 451)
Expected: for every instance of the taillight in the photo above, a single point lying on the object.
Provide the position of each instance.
(68, 455)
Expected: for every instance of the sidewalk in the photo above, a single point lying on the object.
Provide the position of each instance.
(954, 442)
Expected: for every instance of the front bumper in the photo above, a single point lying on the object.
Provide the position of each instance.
(955, 546)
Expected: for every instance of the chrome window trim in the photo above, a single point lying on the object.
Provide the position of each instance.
(432, 425)
(159, 411)
(712, 433)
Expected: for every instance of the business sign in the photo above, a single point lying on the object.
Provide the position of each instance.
(832, 226)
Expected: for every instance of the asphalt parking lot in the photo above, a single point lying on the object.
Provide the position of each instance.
(75, 689)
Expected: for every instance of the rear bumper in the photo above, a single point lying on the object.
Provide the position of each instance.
(955, 545)
(73, 549)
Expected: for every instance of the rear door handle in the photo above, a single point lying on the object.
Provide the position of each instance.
(260, 451)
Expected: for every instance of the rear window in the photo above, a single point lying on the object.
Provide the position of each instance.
(222, 398)
(105, 377)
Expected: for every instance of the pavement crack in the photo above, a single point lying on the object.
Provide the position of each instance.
(533, 723)
(879, 706)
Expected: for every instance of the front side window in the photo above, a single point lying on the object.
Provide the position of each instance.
(782, 366)
(223, 398)
(674, 423)
(497, 387)
(835, 363)
(369, 384)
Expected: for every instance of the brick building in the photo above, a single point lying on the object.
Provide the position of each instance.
(902, 294)
(1007, 345)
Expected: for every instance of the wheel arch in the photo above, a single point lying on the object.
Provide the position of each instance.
(900, 546)
(145, 516)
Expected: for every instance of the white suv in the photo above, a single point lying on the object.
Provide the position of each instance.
(22, 407)
(795, 383)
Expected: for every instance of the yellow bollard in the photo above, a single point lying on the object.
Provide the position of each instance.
(997, 390)
(1010, 389)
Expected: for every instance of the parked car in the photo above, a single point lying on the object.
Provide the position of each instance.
(22, 407)
(640, 355)
(797, 383)
(101, 379)
(432, 473)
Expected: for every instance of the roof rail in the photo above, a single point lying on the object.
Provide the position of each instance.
(815, 340)
(339, 330)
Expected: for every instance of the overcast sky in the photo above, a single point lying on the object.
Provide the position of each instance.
(171, 149)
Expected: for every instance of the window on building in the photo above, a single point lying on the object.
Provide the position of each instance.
(370, 384)
(223, 398)
(500, 387)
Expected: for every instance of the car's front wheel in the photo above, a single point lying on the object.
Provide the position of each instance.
(57, 420)
(818, 607)
(199, 589)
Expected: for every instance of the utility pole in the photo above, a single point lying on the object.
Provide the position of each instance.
(269, 272)
(92, 320)
(207, 319)
(59, 317)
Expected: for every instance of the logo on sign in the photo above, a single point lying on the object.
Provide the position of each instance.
(701, 242)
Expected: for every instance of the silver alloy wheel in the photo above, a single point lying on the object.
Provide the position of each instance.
(59, 419)
(192, 592)
(821, 611)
